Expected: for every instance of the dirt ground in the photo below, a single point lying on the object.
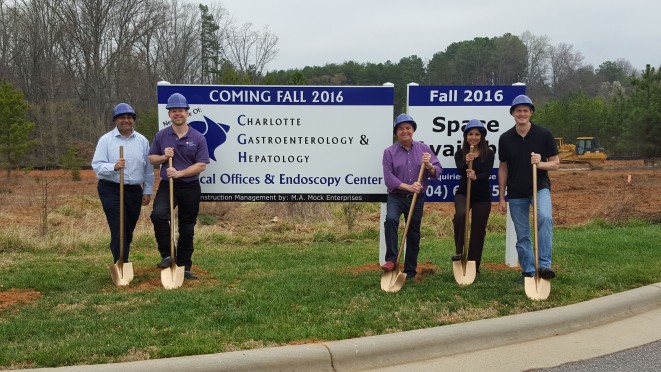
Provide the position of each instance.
(580, 195)
(621, 190)
(618, 190)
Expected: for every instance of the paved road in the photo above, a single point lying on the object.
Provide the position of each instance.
(595, 349)
(646, 358)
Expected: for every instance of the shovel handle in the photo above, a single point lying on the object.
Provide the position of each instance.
(464, 256)
(534, 215)
(171, 180)
(121, 210)
(410, 215)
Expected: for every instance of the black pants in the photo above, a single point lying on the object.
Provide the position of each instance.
(109, 195)
(187, 201)
(479, 217)
(397, 206)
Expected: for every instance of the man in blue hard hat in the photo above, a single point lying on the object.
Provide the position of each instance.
(190, 156)
(518, 148)
(138, 175)
(401, 166)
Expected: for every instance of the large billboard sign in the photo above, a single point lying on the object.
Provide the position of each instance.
(289, 143)
(442, 112)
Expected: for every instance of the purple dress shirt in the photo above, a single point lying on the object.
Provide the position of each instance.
(402, 166)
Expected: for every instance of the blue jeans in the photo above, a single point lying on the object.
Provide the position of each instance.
(520, 212)
(397, 206)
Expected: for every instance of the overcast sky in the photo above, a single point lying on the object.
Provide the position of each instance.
(334, 31)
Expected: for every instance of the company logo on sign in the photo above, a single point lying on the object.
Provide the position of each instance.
(214, 133)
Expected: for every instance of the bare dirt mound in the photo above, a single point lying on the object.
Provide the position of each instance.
(17, 296)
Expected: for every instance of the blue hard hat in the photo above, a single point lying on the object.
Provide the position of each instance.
(522, 99)
(404, 118)
(123, 109)
(474, 123)
(177, 100)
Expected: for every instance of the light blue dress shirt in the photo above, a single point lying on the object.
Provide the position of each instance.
(138, 170)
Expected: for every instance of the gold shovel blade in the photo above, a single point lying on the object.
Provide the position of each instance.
(392, 281)
(464, 275)
(127, 271)
(172, 277)
(121, 274)
(537, 288)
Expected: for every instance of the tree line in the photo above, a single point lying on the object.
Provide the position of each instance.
(74, 60)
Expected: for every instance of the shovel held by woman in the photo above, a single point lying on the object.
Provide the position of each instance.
(172, 277)
(536, 287)
(465, 271)
(121, 272)
(393, 281)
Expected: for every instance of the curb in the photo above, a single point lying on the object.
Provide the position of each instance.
(410, 346)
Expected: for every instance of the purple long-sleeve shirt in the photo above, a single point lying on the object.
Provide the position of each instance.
(402, 166)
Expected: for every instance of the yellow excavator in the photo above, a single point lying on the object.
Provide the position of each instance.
(585, 151)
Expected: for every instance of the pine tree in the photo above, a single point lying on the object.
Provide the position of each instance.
(210, 47)
(15, 131)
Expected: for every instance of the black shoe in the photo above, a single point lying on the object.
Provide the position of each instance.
(189, 275)
(522, 279)
(165, 262)
(546, 273)
(412, 279)
(457, 257)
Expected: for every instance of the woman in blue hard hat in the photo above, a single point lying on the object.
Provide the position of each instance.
(401, 166)
(138, 175)
(480, 197)
(518, 148)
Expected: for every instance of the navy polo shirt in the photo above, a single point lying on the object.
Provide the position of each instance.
(515, 150)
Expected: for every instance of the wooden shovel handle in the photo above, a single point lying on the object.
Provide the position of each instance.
(464, 256)
(534, 215)
(408, 218)
(121, 210)
(172, 257)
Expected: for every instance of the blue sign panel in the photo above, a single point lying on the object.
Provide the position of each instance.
(442, 113)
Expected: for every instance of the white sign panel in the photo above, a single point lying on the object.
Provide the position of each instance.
(441, 113)
(290, 143)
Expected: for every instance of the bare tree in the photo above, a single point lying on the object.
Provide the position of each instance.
(564, 62)
(627, 68)
(177, 44)
(136, 73)
(250, 51)
(8, 34)
(39, 70)
(55, 121)
(75, 59)
(538, 61)
(98, 34)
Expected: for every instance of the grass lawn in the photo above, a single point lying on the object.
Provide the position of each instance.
(270, 293)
